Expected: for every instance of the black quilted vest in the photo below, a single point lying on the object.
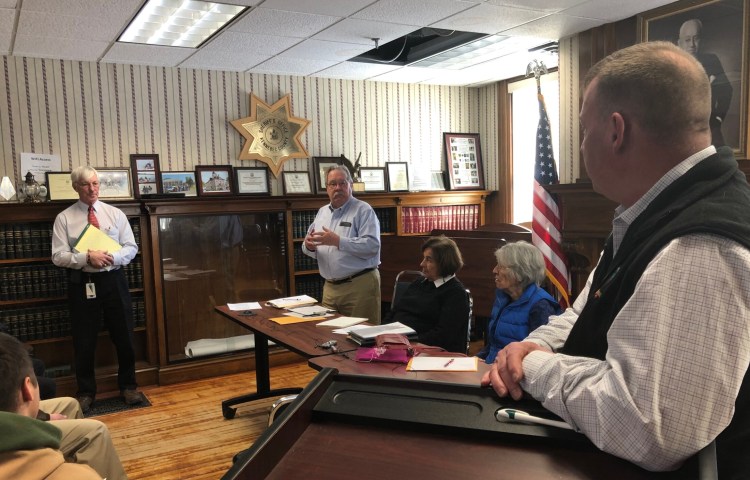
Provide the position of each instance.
(712, 197)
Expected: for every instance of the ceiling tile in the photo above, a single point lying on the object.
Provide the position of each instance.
(325, 50)
(7, 19)
(285, 66)
(104, 11)
(553, 27)
(362, 32)
(546, 6)
(487, 18)
(140, 54)
(63, 48)
(321, 7)
(412, 75)
(264, 21)
(8, 3)
(413, 12)
(611, 11)
(356, 70)
(66, 26)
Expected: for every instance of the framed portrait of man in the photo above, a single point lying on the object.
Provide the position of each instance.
(712, 31)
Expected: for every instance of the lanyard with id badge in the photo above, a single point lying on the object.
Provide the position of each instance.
(90, 290)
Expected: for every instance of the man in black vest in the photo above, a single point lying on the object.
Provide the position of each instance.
(650, 361)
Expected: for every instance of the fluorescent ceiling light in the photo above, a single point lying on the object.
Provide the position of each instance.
(179, 23)
(472, 53)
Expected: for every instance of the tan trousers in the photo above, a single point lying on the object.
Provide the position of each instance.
(84, 441)
(359, 297)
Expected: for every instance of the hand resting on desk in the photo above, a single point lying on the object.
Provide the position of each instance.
(506, 373)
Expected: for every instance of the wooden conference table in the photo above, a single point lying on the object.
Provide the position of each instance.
(302, 338)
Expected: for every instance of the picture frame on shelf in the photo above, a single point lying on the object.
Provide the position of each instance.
(463, 161)
(60, 186)
(146, 174)
(373, 178)
(115, 184)
(176, 183)
(252, 181)
(720, 27)
(398, 176)
(296, 183)
(214, 180)
(320, 166)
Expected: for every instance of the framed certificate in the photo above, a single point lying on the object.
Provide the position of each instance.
(297, 183)
(60, 186)
(252, 181)
(398, 176)
(373, 178)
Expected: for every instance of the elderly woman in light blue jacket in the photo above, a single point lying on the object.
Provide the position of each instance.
(521, 305)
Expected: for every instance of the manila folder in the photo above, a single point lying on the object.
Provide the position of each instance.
(91, 238)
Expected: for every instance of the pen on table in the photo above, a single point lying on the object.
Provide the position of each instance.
(521, 416)
(447, 364)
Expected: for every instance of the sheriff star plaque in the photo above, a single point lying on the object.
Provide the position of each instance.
(271, 133)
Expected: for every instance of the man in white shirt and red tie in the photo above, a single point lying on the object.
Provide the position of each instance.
(98, 287)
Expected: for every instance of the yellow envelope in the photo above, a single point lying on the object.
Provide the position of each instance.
(287, 320)
(92, 238)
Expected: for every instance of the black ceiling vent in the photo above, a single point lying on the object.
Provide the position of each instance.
(418, 45)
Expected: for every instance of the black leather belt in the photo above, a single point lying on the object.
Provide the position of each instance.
(350, 277)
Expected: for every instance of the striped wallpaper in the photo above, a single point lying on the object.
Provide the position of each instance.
(99, 114)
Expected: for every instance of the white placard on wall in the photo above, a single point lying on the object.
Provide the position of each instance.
(38, 164)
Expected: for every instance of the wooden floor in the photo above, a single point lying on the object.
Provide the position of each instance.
(183, 435)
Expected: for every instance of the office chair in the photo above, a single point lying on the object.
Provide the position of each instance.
(403, 279)
(468, 323)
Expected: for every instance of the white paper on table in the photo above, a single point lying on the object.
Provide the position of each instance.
(342, 322)
(311, 310)
(244, 306)
(442, 364)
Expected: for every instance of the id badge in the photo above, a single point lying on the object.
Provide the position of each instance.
(90, 290)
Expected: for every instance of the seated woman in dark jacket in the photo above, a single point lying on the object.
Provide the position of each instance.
(436, 306)
(521, 305)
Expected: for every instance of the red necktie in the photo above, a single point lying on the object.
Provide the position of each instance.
(92, 217)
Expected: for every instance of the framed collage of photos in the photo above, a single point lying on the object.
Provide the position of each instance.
(146, 174)
(463, 156)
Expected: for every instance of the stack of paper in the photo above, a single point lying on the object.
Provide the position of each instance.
(342, 322)
(289, 302)
(366, 336)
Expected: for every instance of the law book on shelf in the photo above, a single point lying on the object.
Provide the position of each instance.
(366, 336)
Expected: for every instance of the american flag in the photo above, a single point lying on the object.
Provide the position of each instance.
(546, 221)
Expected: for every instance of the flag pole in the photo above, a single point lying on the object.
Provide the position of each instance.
(546, 231)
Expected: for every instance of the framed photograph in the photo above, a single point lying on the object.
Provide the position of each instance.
(320, 165)
(398, 176)
(146, 174)
(463, 157)
(297, 183)
(373, 178)
(114, 184)
(252, 181)
(714, 32)
(179, 182)
(60, 186)
(214, 180)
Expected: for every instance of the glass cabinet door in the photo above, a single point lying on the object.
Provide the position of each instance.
(210, 260)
